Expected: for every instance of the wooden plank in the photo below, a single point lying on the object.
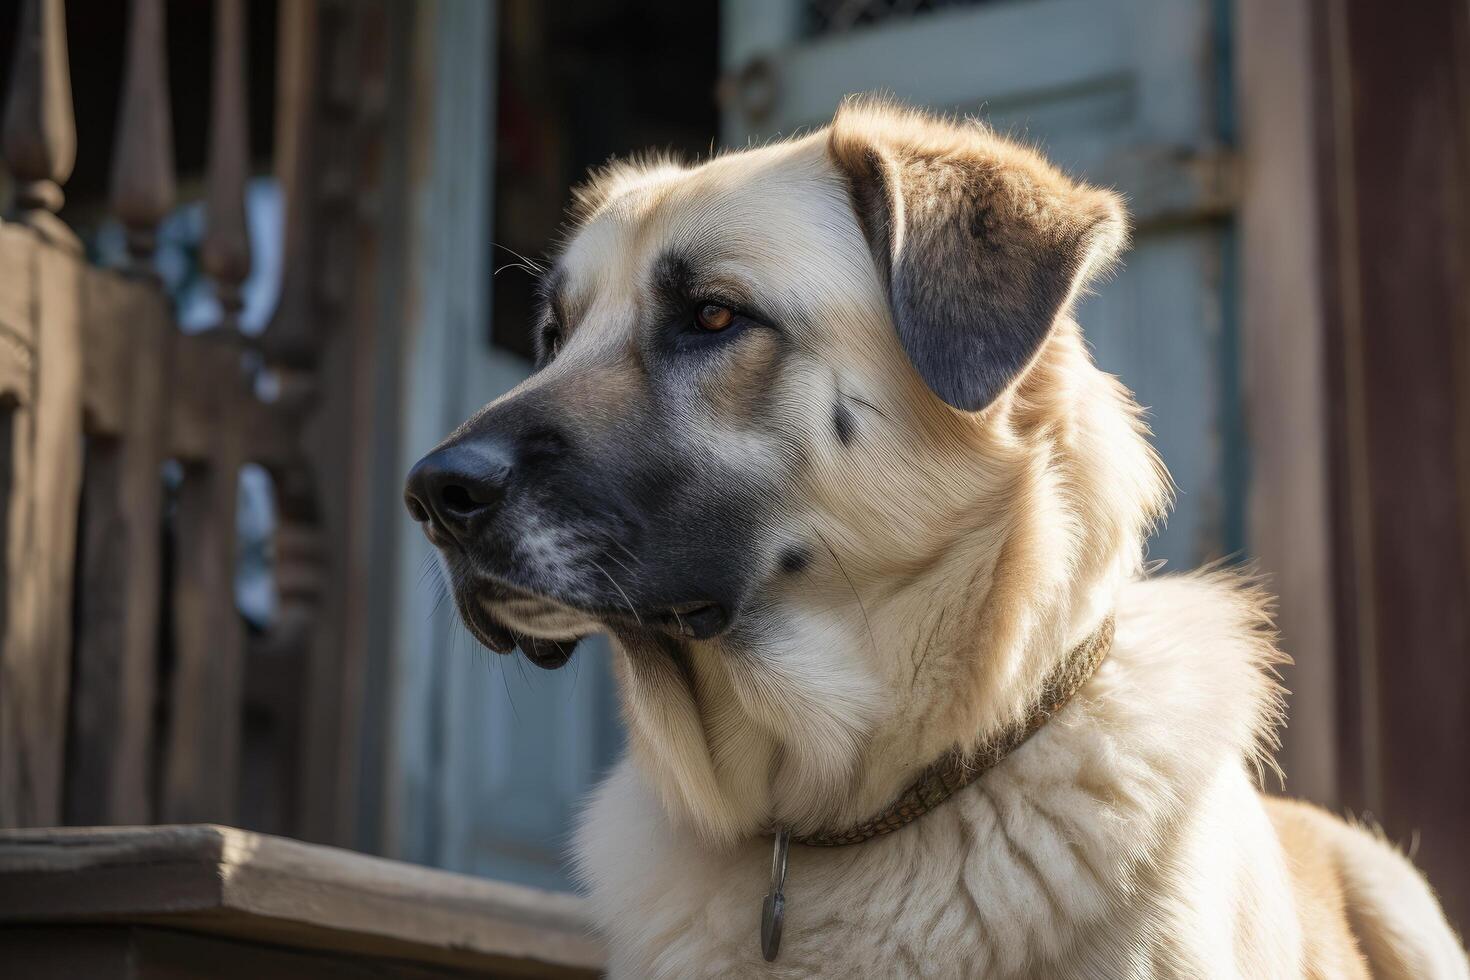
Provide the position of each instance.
(1397, 186)
(227, 882)
(110, 743)
(165, 954)
(146, 953)
(59, 953)
(1285, 400)
(202, 745)
(40, 543)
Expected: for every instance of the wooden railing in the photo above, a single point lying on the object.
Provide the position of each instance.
(131, 691)
(122, 655)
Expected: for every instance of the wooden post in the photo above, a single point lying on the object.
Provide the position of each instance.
(292, 337)
(203, 749)
(109, 750)
(1281, 324)
(40, 136)
(204, 733)
(1395, 183)
(42, 464)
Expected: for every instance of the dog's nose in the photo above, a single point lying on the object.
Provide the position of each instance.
(457, 483)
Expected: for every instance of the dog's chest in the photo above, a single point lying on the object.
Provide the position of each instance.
(952, 895)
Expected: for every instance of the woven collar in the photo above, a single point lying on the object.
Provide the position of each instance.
(941, 780)
(955, 771)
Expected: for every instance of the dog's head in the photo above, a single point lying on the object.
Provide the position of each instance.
(778, 396)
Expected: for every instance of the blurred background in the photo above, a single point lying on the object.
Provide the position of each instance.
(260, 254)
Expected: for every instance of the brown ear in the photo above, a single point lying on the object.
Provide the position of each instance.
(982, 243)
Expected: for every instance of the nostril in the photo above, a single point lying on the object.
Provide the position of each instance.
(458, 483)
(416, 509)
(459, 500)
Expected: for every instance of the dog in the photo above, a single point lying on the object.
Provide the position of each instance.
(814, 437)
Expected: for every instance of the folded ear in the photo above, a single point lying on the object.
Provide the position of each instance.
(981, 243)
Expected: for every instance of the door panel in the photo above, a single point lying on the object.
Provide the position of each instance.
(1123, 93)
(490, 755)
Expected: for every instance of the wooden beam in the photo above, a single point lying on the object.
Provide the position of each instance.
(223, 882)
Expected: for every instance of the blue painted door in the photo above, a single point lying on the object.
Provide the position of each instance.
(1130, 94)
(488, 756)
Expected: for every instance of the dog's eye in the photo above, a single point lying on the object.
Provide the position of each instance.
(713, 317)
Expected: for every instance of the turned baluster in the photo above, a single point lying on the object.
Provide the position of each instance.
(40, 137)
(226, 250)
(143, 159)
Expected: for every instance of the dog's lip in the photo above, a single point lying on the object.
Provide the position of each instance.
(483, 626)
(548, 654)
(698, 619)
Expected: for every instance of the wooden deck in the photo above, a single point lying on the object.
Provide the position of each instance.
(192, 900)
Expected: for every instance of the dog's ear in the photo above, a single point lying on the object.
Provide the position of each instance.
(981, 243)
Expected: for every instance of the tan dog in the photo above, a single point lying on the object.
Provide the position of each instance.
(814, 437)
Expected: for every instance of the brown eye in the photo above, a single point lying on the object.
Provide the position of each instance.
(714, 318)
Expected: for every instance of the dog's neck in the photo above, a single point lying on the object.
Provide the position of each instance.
(938, 705)
(742, 748)
(955, 770)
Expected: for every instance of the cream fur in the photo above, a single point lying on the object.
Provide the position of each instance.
(961, 554)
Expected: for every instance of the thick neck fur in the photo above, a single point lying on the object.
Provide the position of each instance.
(899, 647)
(1087, 852)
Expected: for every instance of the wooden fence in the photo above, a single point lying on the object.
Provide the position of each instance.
(125, 668)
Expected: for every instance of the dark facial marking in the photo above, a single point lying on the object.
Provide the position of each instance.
(842, 421)
(796, 560)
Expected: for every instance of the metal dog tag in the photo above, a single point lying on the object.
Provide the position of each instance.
(773, 907)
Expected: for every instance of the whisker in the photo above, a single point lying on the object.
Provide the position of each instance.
(517, 265)
(531, 265)
(505, 685)
(439, 602)
(626, 601)
(621, 565)
(625, 548)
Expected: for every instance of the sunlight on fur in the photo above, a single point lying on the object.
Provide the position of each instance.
(945, 495)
